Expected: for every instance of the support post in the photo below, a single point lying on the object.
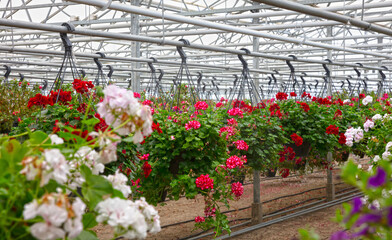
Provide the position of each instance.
(135, 49)
(329, 55)
(256, 48)
(257, 215)
(330, 184)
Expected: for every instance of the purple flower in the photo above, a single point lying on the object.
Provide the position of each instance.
(341, 235)
(357, 205)
(364, 231)
(389, 216)
(379, 179)
(368, 218)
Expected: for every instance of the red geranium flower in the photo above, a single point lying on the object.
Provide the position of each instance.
(285, 172)
(205, 182)
(305, 106)
(332, 129)
(297, 139)
(82, 86)
(147, 169)
(201, 105)
(293, 94)
(281, 96)
(342, 139)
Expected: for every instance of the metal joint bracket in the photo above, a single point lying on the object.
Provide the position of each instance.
(383, 77)
(341, 86)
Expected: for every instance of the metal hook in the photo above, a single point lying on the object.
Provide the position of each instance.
(347, 79)
(99, 64)
(317, 83)
(151, 66)
(241, 58)
(292, 70)
(64, 37)
(83, 73)
(111, 70)
(45, 85)
(270, 80)
(327, 71)
(235, 79)
(21, 77)
(161, 73)
(7, 71)
(342, 84)
(357, 71)
(181, 51)
(383, 77)
(200, 76)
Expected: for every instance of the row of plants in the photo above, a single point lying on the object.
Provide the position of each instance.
(201, 147)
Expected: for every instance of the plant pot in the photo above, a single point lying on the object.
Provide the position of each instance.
(300, 151)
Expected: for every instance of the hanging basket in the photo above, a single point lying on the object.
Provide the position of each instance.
(300, 151)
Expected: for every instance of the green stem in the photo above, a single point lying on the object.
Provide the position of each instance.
(15, 136)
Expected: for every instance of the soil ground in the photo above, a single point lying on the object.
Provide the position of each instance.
(186, 209)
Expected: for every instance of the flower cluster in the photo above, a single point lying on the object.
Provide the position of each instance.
(53, 165)
(231, 131)
(332, 129)
(288, 153)
(81, 86)
(281, 96)
(119, 182)
(353, 134)
(285, 172)
(237, 189)
(61, 97)
(199, 219)
(367, 125)
(232, 121)
(201, 105)
(367, 100)
(236, 112)
(233, 162)
(293, 94)
(136, 95)
(297, 139)
(204, 182)
(61, 217)
(122, 111)
(147, 169)
(342, 139)
(129, 219)
(192, 124)
(305, 106)
(40, 100)
(241, 145)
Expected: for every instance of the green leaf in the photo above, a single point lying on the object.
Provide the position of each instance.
(96, 187)
(38, 137)
(86, 235)
(89, 221)
(90, 122)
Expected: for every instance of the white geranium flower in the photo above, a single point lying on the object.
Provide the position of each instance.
(367, 100)
(377, 117)
(367, 125)
(56, 139)
(45, 231)
(376, 158)
(346, 101)
(119, 182)
(30, 210)
(56, 167)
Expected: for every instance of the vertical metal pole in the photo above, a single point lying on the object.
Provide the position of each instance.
(256, 45)
(257, 214)
(135, 49)
(256, 205)
(330, 185)
(379, 64)
(329, 56)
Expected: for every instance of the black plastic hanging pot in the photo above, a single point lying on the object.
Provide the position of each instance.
(300, 151)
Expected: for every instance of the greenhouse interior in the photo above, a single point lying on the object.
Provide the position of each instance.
(196, 119)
